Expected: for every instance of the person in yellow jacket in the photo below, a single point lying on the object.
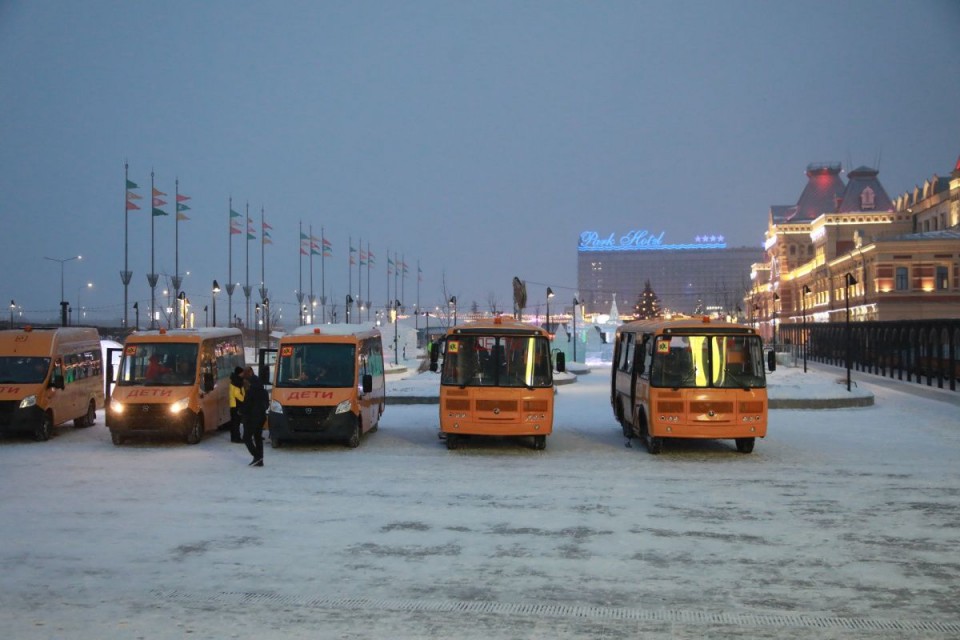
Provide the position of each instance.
(236, 399)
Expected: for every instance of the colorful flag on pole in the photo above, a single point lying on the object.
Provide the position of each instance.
(235, 214)
(131, 184)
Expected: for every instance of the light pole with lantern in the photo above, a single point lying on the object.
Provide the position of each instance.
(136, 310)
(396, 332)
(575, 303)
(89, 285)
(803, 309)
(849, 281)
(549, 295)
(453, 303)
(214, 292)
(13, 305)
(256, 327)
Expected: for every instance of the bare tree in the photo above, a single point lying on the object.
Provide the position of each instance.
(493, 303)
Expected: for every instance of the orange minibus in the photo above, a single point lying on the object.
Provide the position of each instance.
(496, 379)
(328, 383)
(174, 381)
(49, 376)
(689, 378)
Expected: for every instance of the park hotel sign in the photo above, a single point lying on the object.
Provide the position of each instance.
(644, 240)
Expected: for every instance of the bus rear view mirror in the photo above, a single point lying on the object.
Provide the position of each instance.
(208, 382)
(57, 382)
(367, 383)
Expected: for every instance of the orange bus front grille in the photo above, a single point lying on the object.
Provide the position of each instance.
(751, 407)
(534, 405)
(707, 407)
(497, 405)
(458, 405)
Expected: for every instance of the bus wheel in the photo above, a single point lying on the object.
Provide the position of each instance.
(116, 438)
(354, 440)
(195, 434)
(453, 441)
(745, 445)
(89, 419)
(539, 442)
(44, 428)
(654, 444)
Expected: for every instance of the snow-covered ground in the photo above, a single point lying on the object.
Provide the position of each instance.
(842, 524)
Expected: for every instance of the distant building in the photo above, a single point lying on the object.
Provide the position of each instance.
(699, 276)
(895, 259)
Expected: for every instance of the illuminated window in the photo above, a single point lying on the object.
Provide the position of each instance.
(902, 277)
(942, 278)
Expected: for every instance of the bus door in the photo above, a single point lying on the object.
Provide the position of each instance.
(112, 367)
(266, 366)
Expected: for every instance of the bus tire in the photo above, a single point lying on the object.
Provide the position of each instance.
(116, 438)
(654, 444)
(89, 418)
(539, 443)
(44, 428)
(745, 445)
(453, 441)
(195, 433)
(354, 440)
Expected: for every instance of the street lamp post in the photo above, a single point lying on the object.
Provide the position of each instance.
(136, 310)
(849, 281)
(575, 303)
(13, 305)
(256, 327)
(453, 303)
(181, 308)
(549, 295)
(215, 291)
(349, 302)
(63, 303)
(803, 308)
(396, 331)
(266, 313)
(776, 298)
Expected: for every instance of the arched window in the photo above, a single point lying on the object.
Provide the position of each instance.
(867, 198)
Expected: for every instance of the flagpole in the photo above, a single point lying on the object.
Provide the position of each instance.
(300, 313)
(387, 308)
(312, 299)
(323, 276)
(369, 301)
(152, 276)
(246, 287)
(125, 275)
(176, 253)
(417, 314)
(230, 261)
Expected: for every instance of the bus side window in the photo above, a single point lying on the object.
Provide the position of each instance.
(627, 365)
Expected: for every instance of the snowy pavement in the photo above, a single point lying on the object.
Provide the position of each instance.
(842, 524)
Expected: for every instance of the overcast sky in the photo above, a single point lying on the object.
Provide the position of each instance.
(478, 138)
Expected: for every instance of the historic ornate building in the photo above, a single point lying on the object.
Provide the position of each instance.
(847, 247)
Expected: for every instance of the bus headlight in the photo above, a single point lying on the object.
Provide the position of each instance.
(276, 407)
(117, 407)
(29, 401)
(179, 405)
(343, 407)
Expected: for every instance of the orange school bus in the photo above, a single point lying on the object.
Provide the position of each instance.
(49, 376)
(175, 382)
(328, 384)
(690, 378)
(496, 380)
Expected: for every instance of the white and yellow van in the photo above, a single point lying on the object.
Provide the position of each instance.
(328, 384)
(174, 382)
(49, 376)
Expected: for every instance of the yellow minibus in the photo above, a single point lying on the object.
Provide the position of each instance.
(328, 384)
(49, 376)
(174, 381)
(689, 378)
(496, 380)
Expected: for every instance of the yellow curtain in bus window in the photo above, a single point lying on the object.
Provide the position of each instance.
(453, 347)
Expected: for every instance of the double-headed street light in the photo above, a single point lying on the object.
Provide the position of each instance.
(64, 305)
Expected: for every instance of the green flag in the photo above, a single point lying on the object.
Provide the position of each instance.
(159, 212)
(132, 185)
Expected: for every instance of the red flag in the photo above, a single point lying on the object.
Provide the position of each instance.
(182, 198)
(131, 206)
(157, 192)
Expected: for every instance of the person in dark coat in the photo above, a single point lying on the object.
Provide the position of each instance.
(236, 400)
(254, 412)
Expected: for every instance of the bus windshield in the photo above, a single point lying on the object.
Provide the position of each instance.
(497, 361)
(726, 361)
(159, 364)
(23, 370)
(316, 365)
